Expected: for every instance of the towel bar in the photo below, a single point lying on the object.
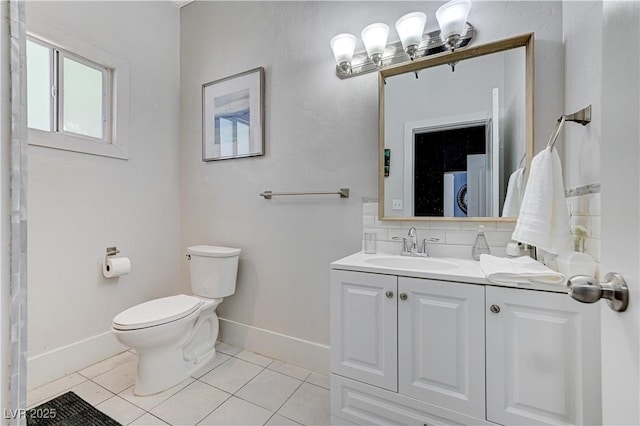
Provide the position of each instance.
(342, 192)
(583, 117)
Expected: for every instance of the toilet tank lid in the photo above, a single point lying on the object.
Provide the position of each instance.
(213, 251)
(156, 312)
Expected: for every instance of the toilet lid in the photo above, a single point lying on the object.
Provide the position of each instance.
(213, 251)
(156, 312)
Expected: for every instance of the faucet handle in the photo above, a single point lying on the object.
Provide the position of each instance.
(425, 246)
(405, 246)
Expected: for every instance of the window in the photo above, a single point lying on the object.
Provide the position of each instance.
(67, 93)
(85, 95)
(39, 102)
(74, 98)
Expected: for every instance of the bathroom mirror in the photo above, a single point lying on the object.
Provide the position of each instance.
(453, 128)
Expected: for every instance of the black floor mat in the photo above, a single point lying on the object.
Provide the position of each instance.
(68, 410)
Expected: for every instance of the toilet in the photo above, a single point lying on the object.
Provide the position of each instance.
(175, 336)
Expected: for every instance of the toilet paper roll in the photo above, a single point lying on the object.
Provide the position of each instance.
(115, 267)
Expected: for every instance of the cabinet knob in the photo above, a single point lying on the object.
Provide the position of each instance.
(495, 309)
(389, 294)
(403, 296)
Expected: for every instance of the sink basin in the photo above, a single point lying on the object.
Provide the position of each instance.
(406, 262)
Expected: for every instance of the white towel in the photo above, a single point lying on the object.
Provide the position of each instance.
(515, 191)
(543, 220)
(523, 269)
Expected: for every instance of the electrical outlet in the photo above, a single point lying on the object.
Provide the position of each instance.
(397, 204)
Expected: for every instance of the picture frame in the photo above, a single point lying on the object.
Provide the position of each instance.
(233, 116)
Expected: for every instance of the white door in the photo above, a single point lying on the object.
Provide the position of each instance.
(364, 316)
(620, 209)
(493, 186)
(540, 367)
(441, 344)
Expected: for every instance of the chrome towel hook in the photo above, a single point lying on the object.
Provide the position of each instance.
(587, 289)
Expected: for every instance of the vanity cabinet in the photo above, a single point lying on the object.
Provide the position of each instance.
(364, 318)
(543, 358)
(421, 338)
(441, 344)
(412, 351)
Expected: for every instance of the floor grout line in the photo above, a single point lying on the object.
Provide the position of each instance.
(217, 406)
(229, 395)
(51, 396)
(285, 401)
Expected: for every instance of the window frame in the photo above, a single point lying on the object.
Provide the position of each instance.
(115, 141)
(52, 79)
(107, 93)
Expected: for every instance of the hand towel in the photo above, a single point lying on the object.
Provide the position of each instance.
(523, 269)
(515, 191)
(543, 220)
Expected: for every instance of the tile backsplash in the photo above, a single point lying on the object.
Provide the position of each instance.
(585, 212)
(455, 239)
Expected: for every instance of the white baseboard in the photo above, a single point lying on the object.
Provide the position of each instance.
(309, 355)
(52, 365)
(59, 362)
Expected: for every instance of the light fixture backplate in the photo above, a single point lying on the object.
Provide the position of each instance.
(395, 54)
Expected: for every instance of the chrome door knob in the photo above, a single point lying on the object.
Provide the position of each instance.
(587, 289)
(389, 294)
(403, 296)
(495, 309)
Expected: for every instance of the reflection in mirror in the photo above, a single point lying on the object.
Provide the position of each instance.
(451, 141)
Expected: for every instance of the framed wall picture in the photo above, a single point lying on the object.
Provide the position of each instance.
(233, 116)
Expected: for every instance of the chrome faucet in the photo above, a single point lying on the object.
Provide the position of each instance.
(411, 248)
(414, 240)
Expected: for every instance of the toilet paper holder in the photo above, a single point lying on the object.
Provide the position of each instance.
(111, 251)
(114, 267)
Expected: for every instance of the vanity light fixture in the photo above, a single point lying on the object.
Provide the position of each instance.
(454, 33)
(410, 28)
(343, 46)
(452, 17)
(375, 37)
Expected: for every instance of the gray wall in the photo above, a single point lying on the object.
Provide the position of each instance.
(580, 145)
(321, 133)
(80, 204)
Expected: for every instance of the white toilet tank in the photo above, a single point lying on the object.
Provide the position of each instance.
(213, 270)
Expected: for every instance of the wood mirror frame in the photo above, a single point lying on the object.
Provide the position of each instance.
(526, 41)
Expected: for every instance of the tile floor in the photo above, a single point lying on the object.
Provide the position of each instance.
(238, 387)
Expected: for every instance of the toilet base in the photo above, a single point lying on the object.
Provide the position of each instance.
(154, 375)
(149, 381)
(161, 369)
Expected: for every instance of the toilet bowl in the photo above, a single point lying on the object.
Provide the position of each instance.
(175, 336)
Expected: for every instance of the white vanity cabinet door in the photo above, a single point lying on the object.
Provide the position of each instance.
(441, 344)
(364, 327)
(543, 358)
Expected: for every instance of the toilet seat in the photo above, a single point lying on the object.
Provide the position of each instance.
(156, 312)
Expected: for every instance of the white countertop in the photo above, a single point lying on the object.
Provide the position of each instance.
(467, 271)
